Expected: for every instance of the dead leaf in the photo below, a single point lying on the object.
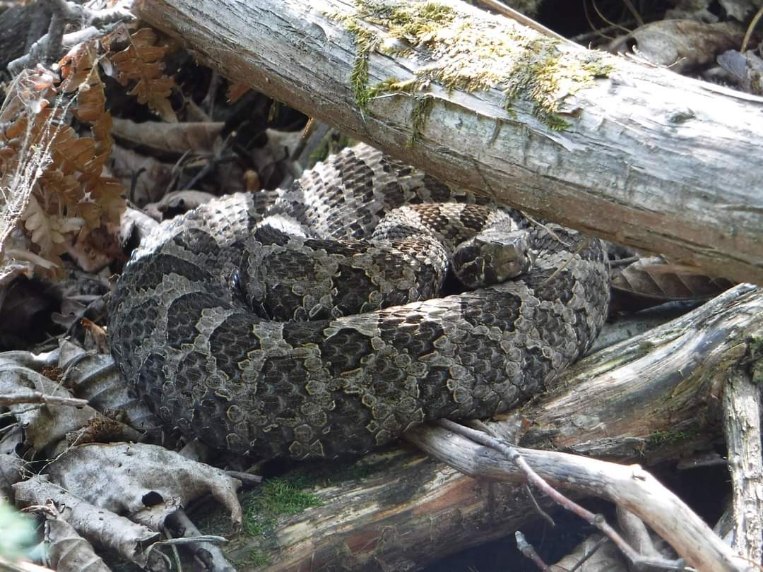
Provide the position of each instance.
(146, 176)
(169, 139)
(11, 468)
(681, 45)
(45, 424)
(49, 415)
(96, 524)
(746, 70)
(54, 173)
(67, 551)
(656, 280)
(145, 482)
(95, 377)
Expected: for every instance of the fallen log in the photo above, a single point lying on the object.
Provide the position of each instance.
(653, 398)
(634, 154)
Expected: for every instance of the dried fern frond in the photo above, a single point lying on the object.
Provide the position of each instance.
(23, 158)
(52, 176)
(55, 141)
(141, 65)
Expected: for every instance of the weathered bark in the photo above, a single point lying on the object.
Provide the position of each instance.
(649, 158)
(743, 436)
(648, 399)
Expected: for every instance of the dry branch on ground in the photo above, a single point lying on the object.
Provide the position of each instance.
(652, 398)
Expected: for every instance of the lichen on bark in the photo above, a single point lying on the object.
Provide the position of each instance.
(467, 52)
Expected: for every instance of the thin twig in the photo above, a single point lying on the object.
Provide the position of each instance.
(623, 261)
(184, 540)
(596, 30)
(38, 397)
(544, 515)
(246, 478)
(632, 9)
(597, 520)
(204, 547)
(606, 20)
(751, 29)
(528, 551)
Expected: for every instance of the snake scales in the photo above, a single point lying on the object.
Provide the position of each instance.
(201, 319)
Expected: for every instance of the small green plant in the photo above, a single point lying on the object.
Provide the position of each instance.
(276, 497)
(667, 437)
(17, 532)
(257, 558)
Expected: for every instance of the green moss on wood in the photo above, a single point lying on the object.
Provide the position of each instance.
(257, 558)
(468, 53)
(275, 498)
(660, 438)
(422, 107)
(365, 43)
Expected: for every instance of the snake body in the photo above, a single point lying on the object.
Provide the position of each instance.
(303, 337)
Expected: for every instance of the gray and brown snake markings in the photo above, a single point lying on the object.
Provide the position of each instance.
(316, 330)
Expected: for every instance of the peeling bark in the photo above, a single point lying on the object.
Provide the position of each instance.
(649, 158)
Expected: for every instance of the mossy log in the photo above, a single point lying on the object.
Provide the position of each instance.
(634, 154)
(656, 397)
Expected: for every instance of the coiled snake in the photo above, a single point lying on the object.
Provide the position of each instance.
(294, 337)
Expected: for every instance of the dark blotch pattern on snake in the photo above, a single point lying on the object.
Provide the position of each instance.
(240, 332)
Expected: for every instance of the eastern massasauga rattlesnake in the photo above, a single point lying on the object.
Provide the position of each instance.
(278, 339)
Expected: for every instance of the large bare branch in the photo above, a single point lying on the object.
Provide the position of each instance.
(652, 398)
(649, 158)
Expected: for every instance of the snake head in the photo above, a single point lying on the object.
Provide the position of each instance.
(492, 257)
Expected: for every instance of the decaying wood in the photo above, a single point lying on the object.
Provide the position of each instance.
(650, 159)
(648, 399)
(629, 486)
(604, 478)
(743, 437)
